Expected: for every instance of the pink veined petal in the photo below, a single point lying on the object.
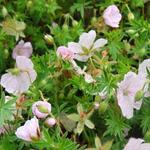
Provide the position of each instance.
(10, 83)
(75, 47)
(23, 82)
(143, 67)
(86, 40)
(32, 75)
(99, 43)
(24, 63)
(32, 127)
(23, 134)
(145, 146)
(82, 58)
(126, 104)
(138, 104)
(136, 143)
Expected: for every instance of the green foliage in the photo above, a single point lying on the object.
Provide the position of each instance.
(6, 109)
(116, 125)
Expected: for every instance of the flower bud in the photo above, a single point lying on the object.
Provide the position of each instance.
(103, 107)
(49, 39)
(6, 53)
(131, 31)
(74, 23)
(96, 105)
(50, 122)
(93, 20)
(29, 4)
(41, 109)
(65, 27)
(4, 12)
(130, 16)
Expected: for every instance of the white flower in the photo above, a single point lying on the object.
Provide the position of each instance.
(112, 16)
(142, 71)
(30, 131)
(19, 81)
(86, 46)
(137, 144)
(126, 94)
(22, 49)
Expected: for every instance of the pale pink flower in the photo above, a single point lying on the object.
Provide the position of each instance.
(137, 144)
(112, 16)
(22, 49)
(30, 131)
(126, 94)
(86, 46)
(65, 53)
(142, 71)
(50, 122)
(20, 81)
(41, 109)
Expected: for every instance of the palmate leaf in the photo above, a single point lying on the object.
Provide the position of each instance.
(6, 109)
(14, 27)
(67, 123)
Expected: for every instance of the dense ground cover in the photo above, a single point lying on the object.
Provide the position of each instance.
(75, 74)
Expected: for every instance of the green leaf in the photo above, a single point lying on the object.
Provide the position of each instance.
(89, 124)
(6, 110)
(75, 117)
(68, 124)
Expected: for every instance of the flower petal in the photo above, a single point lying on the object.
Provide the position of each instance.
(99, 43)
(86, 40)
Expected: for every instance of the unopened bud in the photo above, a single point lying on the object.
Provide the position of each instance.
(50, 122)
(4, 11)
(65, 27)
(74, 23)
(6, 53)
(93, 20)
(29, 4)
(49, 39)
(130, 16)
(103, 107)
(130, 31)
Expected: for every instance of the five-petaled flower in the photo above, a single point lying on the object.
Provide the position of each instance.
(19, 79)
(86, 46)
(127, 92)
(112, 16)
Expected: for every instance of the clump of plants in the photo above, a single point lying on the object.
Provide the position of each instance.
(75, 75)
